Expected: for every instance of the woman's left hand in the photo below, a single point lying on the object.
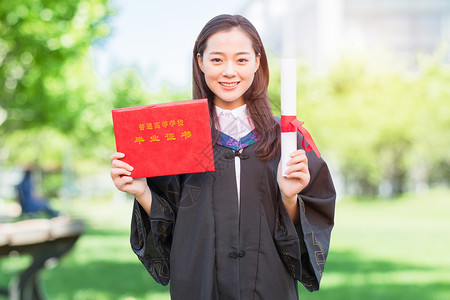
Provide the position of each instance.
(297, 174)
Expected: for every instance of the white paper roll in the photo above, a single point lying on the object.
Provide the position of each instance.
(288, 94)
(288, 145)
(288, 86)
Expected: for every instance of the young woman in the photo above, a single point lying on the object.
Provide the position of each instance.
(243, 231)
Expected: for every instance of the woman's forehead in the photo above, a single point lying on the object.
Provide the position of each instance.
(234, 40)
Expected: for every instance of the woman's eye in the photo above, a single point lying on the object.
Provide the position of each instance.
(216, 60)
(242, 60)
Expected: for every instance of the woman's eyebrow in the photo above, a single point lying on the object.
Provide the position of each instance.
(222, 53)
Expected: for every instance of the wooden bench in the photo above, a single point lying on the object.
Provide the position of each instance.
(46, 240)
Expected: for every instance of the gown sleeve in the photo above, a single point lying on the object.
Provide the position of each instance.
(304, 247)
(151, 236)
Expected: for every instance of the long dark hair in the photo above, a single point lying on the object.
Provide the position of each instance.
(256, 97)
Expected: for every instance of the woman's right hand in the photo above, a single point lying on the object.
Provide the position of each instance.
(120, 174)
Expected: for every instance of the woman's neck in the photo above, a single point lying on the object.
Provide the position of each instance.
(229, 105)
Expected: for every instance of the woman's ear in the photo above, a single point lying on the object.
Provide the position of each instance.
(200, 62)
(258, 58)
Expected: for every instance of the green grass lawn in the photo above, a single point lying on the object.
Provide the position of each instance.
(389, 249)
(385, 249)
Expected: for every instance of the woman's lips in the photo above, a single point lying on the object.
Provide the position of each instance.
(229, 85)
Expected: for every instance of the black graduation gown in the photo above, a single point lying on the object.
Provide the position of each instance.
(196, 238)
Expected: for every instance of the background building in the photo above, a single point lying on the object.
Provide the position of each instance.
(320, 30)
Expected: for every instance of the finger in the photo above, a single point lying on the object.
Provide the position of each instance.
(301, 167)
(122, 183)
(300, 176)
(297, 167)
(298, 152)
(117, 155)
(127, 180)
(119, 172)
(297, 160)
(292, 173)
(301, 157)
(121, 164)
(297, 156)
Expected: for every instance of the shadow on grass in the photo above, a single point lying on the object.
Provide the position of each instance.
(90, 232)
(350, 276)
(347, 276)
(91, 280)
(100, 280)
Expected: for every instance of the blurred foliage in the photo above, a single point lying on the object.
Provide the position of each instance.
(381, 123)
(47, 78)
(48, 86)
(49, 100)
(43, 70)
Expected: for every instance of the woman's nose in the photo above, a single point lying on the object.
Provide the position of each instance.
(229, 70)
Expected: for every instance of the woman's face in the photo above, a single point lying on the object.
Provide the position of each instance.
(229, 64)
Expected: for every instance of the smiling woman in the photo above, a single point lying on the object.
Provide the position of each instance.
(229, 63)
(256, 97)
(243, 231)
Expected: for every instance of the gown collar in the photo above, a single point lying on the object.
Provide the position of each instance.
(229, 142)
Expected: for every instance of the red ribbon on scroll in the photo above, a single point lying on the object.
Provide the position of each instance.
(291, 124)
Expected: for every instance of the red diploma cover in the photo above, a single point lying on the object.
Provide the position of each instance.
(165, 139)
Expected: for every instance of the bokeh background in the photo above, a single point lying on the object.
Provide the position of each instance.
(373, 90)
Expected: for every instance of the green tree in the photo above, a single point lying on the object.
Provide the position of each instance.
(385, 126)
(46, 74)
(47, 83)
(43, 48)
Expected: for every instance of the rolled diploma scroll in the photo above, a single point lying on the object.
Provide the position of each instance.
(288, 93)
